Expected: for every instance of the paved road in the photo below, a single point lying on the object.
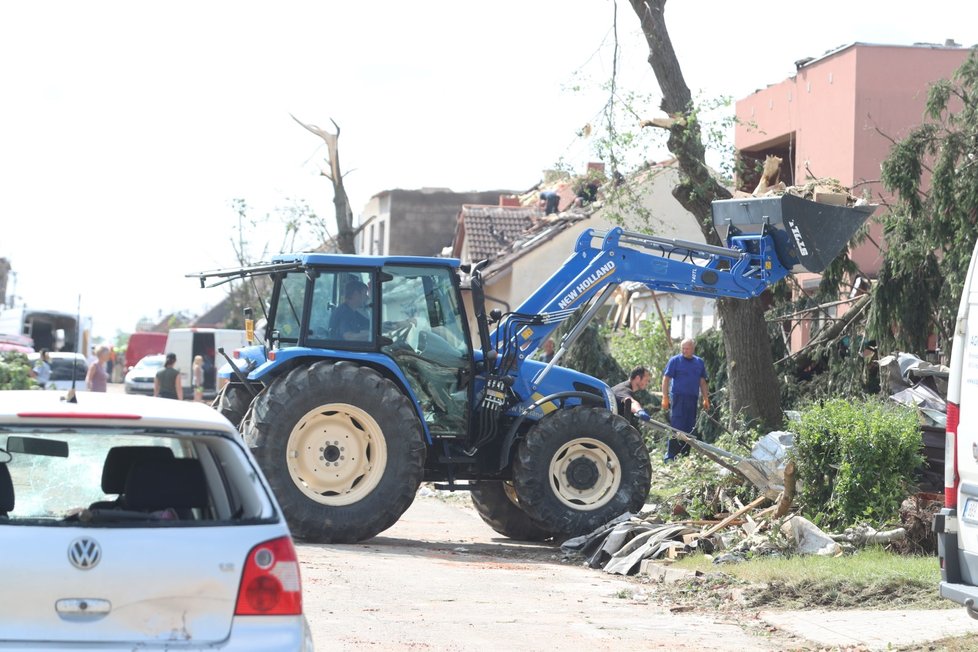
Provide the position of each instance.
(441, 580)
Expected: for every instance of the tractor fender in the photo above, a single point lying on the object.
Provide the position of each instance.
(286, 359)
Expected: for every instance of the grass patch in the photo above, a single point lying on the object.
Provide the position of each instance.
(870, 578)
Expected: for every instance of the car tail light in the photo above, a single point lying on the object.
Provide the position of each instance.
(270, 584)
(951, 456)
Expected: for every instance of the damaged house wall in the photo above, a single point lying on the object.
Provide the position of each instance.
(837, 117)
(415, 222)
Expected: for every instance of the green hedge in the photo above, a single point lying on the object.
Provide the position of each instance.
(856, 460)
(15, 371)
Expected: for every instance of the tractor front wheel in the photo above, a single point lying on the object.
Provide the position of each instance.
(342, 448)
(497, 504)
(579, 468)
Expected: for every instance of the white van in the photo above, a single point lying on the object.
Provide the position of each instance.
(189, 342)
(957, 524)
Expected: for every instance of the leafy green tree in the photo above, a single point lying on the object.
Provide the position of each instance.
(649, 347)
(931, 230)
(301, 230)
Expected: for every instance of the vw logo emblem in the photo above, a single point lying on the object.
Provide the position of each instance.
(84, 553)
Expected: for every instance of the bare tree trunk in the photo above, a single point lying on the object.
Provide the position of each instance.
(753, 389)
(346, 234)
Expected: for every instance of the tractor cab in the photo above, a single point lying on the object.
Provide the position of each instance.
(368, 308)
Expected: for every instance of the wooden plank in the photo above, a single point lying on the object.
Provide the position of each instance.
(740, 512)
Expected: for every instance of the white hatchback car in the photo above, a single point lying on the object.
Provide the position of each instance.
(140, 379)
(130, 522)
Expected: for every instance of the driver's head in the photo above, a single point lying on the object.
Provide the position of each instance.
(355, 293)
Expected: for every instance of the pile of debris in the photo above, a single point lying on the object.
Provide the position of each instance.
(762, 527)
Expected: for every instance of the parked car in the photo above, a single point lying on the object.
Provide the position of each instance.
(139, 379)
(66, 369)
(131, 522)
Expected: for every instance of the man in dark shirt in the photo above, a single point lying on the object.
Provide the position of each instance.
(347, 322)
(683, 381)
(638, 380)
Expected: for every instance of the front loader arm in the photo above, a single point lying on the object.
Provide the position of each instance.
(766, 239)
(742, 270)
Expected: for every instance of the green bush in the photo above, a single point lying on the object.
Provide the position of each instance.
(856, 460)
(15, 371)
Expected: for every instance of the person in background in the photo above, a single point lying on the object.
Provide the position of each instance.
(624, 391)
(167, 382)
(549, 201)
(41, 373)
(97, 378)
(683, 381)
(198, 377)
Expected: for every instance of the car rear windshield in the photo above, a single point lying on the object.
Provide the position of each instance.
(68, 369)
(109, 477)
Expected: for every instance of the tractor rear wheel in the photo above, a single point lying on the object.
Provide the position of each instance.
(342, 449)
(232, 402)
(579, 468)
(499, 507)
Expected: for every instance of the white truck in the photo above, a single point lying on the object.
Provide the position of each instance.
(957, 524)
(187, 343)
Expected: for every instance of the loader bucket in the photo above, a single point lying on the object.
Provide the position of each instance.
(807, 235)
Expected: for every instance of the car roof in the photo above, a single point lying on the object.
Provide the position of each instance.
(66, 355)
(35, 407)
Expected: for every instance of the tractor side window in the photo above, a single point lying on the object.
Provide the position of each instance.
(341, 314)
(288, 306)
(422, 332)
(325, 298)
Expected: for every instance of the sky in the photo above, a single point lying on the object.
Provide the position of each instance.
(127, 128)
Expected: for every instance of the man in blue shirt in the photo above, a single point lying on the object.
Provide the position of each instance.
(682, 382)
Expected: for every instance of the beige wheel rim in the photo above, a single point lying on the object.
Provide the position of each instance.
(336, 454)
(585, 474)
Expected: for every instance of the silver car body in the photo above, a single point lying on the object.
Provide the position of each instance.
(139, 379)
(125, 572)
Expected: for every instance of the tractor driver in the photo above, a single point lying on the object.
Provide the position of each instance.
(347, 321)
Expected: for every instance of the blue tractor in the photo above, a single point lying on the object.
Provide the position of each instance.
(366, 382)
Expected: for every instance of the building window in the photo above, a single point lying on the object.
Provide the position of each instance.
(380, 238)
(370, 250)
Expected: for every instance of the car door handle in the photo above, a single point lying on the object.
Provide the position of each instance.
(92, 607)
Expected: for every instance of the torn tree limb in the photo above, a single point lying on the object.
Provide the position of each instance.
(346, 234)
(662, 123)
(832, 332)
(867, 535)
(788, 495)
(742, 467)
